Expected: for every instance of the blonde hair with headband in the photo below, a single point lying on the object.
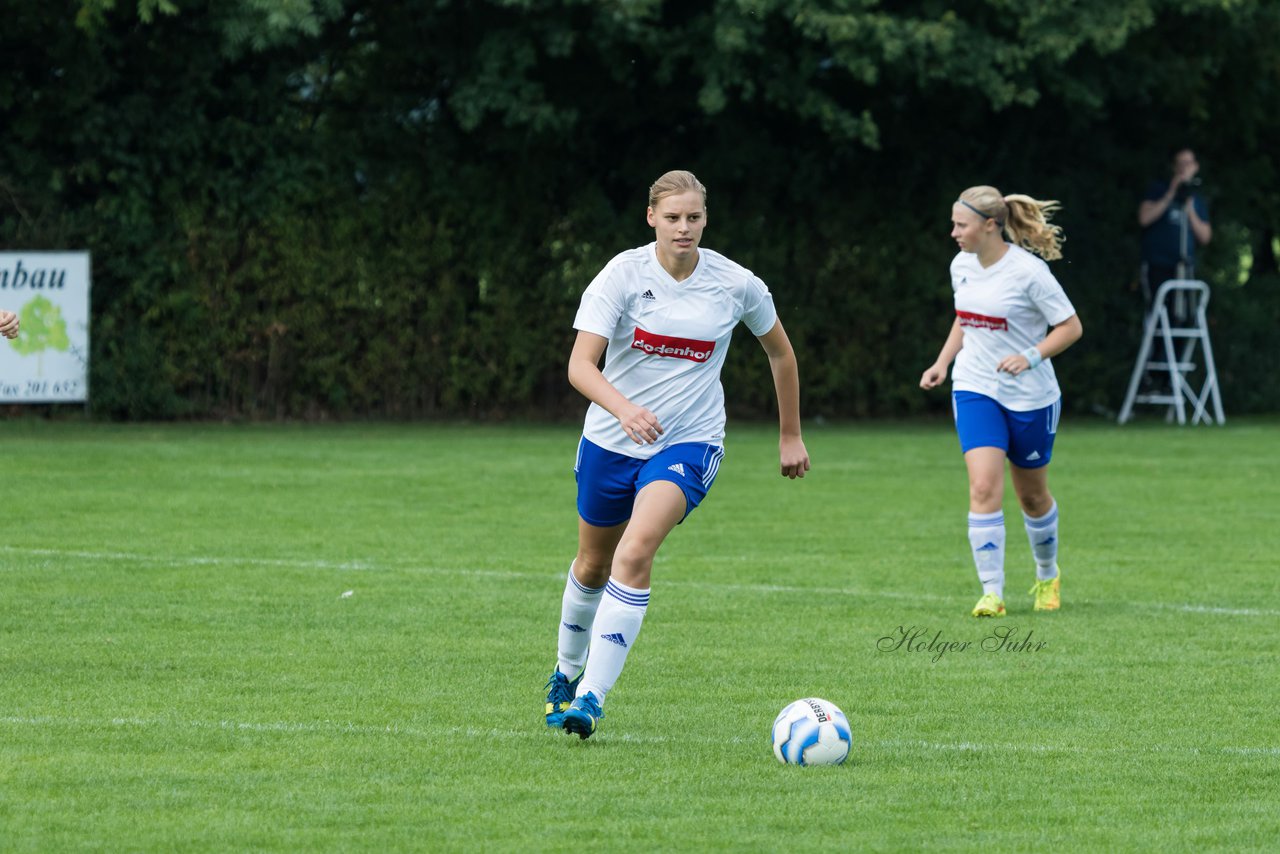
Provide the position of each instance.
(1024, 219)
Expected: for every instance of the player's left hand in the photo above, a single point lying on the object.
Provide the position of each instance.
(8, 324)
(795, 459)
(1013, 365)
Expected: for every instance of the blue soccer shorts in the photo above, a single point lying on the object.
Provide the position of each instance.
(608, 482)
(1025, 437)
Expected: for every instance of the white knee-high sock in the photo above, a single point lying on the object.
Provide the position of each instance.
(986, 538)
(577, 612)
(1043, 535)
(612, 636)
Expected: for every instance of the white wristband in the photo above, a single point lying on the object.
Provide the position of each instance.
(1033, 357)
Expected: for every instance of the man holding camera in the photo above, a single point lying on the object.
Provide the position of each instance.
(1174, 218)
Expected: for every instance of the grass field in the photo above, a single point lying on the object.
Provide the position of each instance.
(181, 670)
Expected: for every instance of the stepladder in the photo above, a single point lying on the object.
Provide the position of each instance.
(1175, 368)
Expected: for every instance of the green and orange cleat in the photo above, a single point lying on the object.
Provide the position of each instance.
(1048, 593)
(990, 605)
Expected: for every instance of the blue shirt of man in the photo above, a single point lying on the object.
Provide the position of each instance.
(1162, 241)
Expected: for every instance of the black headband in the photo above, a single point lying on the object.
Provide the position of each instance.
(999, 222)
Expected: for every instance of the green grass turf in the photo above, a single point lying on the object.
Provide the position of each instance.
(179, 669)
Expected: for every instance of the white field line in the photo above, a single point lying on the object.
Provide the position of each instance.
(370, 566)
(436, 734)
(188, 561)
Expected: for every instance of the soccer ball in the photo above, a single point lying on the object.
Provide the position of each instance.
(811, 732)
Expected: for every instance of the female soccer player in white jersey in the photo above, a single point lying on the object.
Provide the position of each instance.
(662, 315)
(1004, 393)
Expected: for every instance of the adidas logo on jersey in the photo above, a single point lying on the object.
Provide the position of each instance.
(678, 468)
(648, 295)
(617, 638)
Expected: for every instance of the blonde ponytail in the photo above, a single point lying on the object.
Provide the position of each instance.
(1028, 226)
(1024, 219)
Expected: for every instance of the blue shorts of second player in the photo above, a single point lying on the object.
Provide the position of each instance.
(609, 482)
(1025, 437)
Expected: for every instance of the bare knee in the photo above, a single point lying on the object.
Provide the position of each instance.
(1036, 504)
(985, 496)
(1032, 486)
(591, 567)
(633, 562)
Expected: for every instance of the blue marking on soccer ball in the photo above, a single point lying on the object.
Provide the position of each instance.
(811, 731)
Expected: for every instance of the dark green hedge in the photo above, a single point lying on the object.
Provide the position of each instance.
(390, 209)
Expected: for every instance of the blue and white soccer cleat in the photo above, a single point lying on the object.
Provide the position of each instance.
(582, 715)
(560, 693)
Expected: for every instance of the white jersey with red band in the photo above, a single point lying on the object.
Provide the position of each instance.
(1003, 310)
(668, 341)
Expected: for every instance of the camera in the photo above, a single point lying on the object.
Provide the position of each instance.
(1186, 189)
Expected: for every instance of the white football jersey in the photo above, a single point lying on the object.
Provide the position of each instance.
(1003, 310)
(668, 341)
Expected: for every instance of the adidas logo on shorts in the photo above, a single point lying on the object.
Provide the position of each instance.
(678, 468)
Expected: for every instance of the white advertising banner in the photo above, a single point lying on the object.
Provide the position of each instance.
(49, 360)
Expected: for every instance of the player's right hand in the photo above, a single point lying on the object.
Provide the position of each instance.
(932, 377)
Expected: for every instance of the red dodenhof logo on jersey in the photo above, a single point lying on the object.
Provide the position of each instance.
(981, 321)
(677, 348)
